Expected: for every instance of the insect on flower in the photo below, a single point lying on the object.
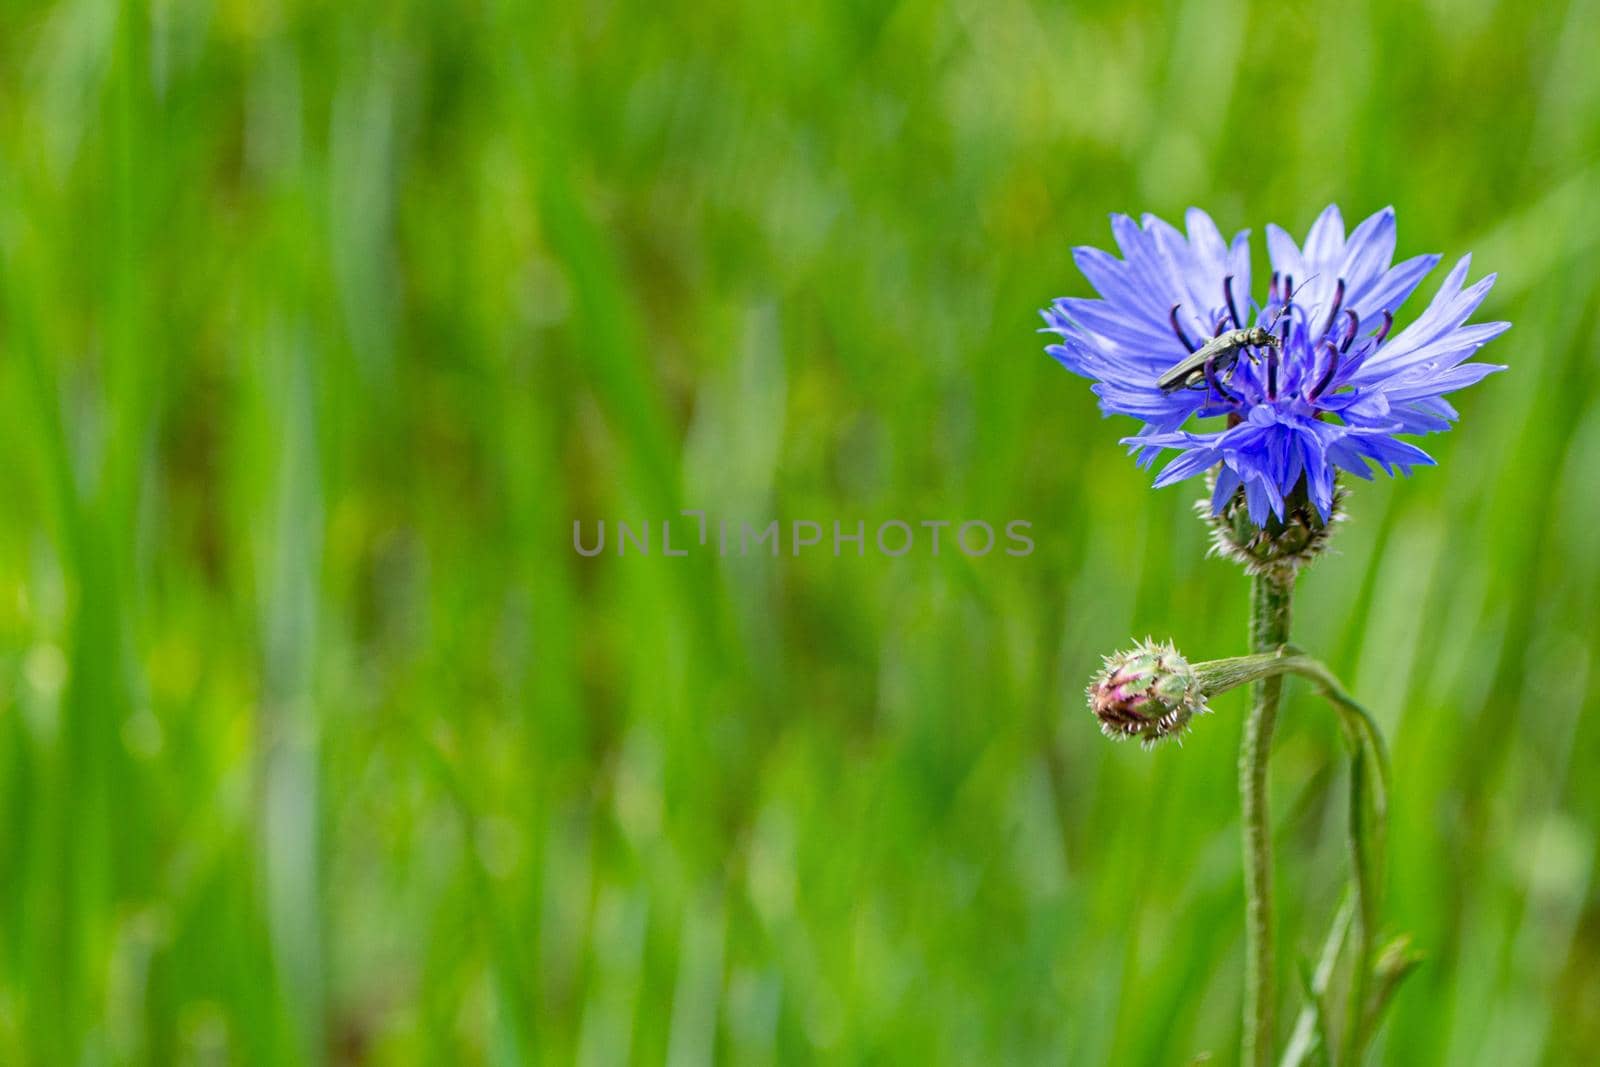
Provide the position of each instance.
(1307, 384)
(1213, 362)
(1210, 363)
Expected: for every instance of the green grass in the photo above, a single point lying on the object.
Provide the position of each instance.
(320, 323)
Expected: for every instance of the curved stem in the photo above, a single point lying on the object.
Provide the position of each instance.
(1269, 631)
(1220, 675)
(1368, 760)
(1369, 776)
(1366, 911)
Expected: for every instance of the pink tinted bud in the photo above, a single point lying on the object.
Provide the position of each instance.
(1149, 692)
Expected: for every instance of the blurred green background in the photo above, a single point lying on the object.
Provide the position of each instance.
(320, 323)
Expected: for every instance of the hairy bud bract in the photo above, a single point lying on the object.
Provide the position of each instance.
(1149, 692)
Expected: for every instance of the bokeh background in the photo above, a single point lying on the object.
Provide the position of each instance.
(320, 323)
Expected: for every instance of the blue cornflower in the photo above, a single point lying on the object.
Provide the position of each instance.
(1331, 396)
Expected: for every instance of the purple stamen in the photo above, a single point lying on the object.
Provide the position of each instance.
(1388, 321)
(1327, 375)
(1233, 309)
(1371, 344)
(1272, 373)
(1272, 290)
(1350, 334)
(1172, 317)
(1338, 302)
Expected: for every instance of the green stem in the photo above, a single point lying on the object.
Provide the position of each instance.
(1368, 760)
(1366, 912)
(1269, 631)
(1369, 776)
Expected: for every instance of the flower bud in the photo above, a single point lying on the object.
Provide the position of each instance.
(1149, 692)
(1282, 545)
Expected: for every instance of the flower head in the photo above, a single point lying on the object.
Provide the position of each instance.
(1149, 692)
(1331, 391)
